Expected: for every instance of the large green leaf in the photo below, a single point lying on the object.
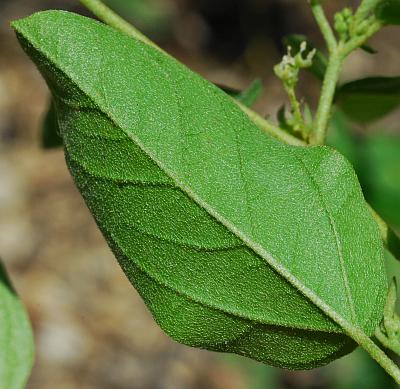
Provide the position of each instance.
(235, 241)
(370, 98)
(16, 341)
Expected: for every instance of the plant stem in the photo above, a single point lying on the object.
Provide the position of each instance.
(323, 24)
(395, 347)
(376, 353)
(326, 99)
(108, 16)
(296, 109)
(359, 41)
(365, 8)
(271, 129)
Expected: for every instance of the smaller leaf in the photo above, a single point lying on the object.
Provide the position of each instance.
(368, 49)
(248, 96)
(389, 12)
(282, 120)
(50, 137)
(369, 99)
(341, 138)
(16, 341)
(380, 174)
(393, 243)
(319, 65)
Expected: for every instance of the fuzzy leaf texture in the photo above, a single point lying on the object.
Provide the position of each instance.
(16, 340)
(236, 242)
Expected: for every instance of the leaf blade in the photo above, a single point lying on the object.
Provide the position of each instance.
(189, 149)
(50, 138)
(16, 341)
(369, 99)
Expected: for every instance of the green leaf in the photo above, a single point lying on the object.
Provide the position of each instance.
(341, 138)
(236, 242)
(248, 96)
(16, 340)
(368, 49)
(380, 173)
(50, 137)
(389, 11)
(369, 99)
(320, 62)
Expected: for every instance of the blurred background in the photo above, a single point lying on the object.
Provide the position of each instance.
(91, 328)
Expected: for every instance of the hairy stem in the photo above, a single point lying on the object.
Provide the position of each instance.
(271, 129)
(354, 43)
(395, 347)
(376, 353)
(296, 109)
(326, 99)
(323, 24)
(108, 16)
(365, 8)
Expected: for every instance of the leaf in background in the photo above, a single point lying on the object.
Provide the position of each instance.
(320, 62)
(248, 96)
(389, 11)
(50, 137)
(16, 340)
(380, 174)
(341, 137)
(153, 16)
(369, 99)
(368, 49)
(236, 242)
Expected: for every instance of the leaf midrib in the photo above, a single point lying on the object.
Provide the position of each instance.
(351, 329)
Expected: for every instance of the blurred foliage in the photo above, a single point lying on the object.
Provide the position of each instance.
(152, 16)
(376, 158)
(369, 99)
(50, 137)
(389, 11)
(380, 174)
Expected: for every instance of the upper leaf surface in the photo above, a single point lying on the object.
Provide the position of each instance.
(16, 342)
(229, 236)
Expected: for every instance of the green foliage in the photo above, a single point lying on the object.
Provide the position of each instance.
(389, 11)
(381, 174)
(376, 159)
(151, 15)
(50, 137)
(16, 341)
(369, 99)
(248, 96)
(235, 241)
